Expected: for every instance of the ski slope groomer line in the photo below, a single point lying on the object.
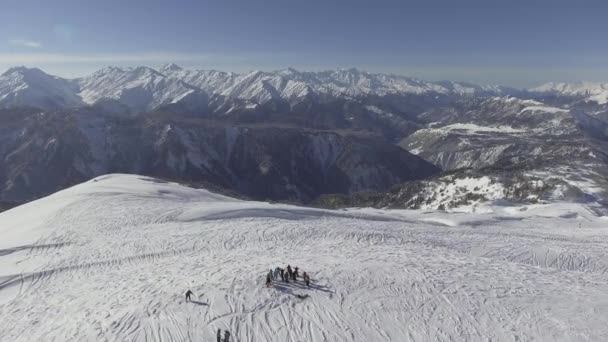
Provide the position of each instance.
(111, 260)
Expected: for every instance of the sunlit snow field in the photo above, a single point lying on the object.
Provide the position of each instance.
(111, 259)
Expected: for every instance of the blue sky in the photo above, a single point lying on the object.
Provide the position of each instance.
(519, 43)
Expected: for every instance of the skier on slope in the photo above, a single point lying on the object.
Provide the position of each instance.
(282, 270)
(295, 273)
(188, 294)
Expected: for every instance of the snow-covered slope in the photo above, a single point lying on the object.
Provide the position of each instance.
(592, 91)
(111, 259)
(31, 87)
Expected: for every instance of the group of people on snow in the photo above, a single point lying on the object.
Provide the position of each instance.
(286, 274)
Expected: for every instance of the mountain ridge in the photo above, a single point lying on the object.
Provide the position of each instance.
(143, 88)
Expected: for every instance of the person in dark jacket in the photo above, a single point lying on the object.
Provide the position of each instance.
(295, 273)
(289, 271)
(268, 280)
(306, 279)
(282, 270)
(226, 336)
(188, 294)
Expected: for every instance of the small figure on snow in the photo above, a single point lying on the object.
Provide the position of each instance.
(226, 336)
(306, 279)
(269, 279)
(295, 273)
(282, 270)
(275, 275)
(188, 294)
(289, 271)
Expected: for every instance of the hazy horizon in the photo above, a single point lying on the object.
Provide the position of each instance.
(427, 75)
(519, 43)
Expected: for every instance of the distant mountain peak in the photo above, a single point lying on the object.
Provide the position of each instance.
(170, 67)
(23, 70)
(288, 71)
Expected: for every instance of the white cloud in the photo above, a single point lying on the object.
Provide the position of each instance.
(25, 43)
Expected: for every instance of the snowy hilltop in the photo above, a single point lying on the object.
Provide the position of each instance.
(111, 259)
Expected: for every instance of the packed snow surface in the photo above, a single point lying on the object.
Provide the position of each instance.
(111, 259)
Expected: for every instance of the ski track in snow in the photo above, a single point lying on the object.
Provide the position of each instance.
(114, 264)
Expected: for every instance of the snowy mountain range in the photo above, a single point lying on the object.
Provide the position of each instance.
(296, 135)
(145, 89)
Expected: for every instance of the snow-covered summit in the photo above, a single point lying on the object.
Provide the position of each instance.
(22, 86)
(111, 259)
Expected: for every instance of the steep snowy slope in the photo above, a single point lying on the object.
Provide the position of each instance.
(211, 81)
(111, 259)
(31, 87)
(139, 89)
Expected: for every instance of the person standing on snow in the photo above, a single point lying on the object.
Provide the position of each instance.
(275, 276)
(282, 274)
(269, 279)
(306, 279)
(289, 271)
(188, 294)
(295, 273)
